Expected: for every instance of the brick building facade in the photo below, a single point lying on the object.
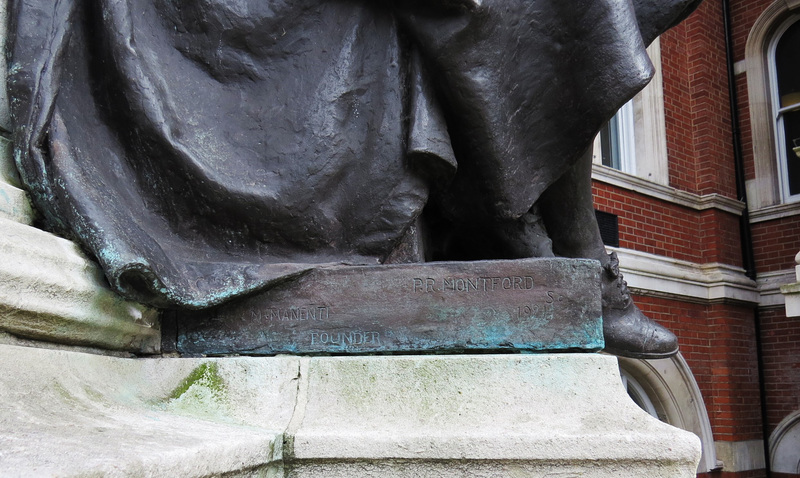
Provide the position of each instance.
(707, 257)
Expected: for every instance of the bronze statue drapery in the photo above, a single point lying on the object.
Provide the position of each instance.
(203, 149)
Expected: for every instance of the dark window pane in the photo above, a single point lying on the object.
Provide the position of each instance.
(609, 144)
(791, 126)
(787, 59)
(787, 65)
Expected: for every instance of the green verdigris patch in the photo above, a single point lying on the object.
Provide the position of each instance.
(202, 393)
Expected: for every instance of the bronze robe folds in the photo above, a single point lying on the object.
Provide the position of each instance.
(203, 149)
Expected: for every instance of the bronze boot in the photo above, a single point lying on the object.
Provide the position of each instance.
(628, 332)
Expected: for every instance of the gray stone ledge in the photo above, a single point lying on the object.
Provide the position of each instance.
(50, 291)
(67, 414)
(9, 339)
(14, 204)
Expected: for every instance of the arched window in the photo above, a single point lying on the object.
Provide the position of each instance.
(667, 390)
(772, 77)
(784, 69)
(784, 445)
(639, 395)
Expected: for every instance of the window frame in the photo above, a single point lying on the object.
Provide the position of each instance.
(778, 112)
(621, 142)
(764, 198)
(672, 391)
(644, 132)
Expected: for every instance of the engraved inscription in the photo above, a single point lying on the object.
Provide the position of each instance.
(530, 311)
(471, 284)
(292, 314)
(438, 307)
(545, 308)
(345, 338)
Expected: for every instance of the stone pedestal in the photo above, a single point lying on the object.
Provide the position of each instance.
(65, 413)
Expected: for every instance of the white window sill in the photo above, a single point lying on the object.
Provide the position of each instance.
(669, 194)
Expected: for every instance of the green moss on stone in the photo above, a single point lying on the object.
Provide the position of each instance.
(202, 394)
(206, 375)
(65, 394)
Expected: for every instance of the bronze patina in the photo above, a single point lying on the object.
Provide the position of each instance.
(206, 150)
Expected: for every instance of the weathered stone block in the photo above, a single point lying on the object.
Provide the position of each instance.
(487, 415)
(74, 414)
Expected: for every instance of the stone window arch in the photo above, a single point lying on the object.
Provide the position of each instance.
(639, 395)
(767, 188)
(667, 390)
(784, 445)
(784, 72)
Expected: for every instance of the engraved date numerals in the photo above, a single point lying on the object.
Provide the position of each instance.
(539, 309)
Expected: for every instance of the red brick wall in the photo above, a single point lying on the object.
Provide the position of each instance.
(736, 402)
(711, 107)
(746, 133)
(720, 237)
(744, 14)
(678, 109)
(650, 225)
(659, 227)
(781, 347)
(696, 104)
(718, 342)
(776, 243)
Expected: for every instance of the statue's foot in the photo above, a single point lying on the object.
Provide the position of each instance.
(628, 332)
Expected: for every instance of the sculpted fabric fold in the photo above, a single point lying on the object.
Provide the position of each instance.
(203, 149)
